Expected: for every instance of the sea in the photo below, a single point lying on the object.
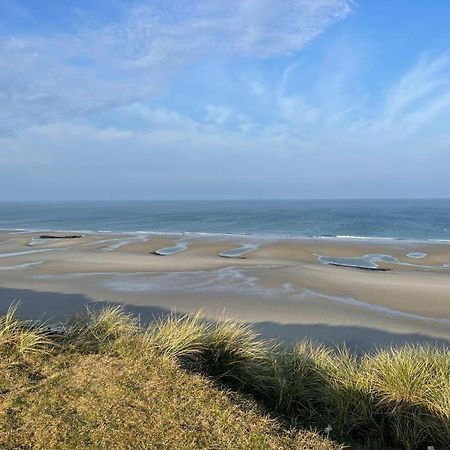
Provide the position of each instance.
(423, 219)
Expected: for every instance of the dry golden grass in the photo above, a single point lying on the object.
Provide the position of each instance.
(177, 337)
(412, 387)
(106, 383)
(96, 328)
(108, 402)
(21, 338)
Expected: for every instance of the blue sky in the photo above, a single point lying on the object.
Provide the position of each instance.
(118, 99)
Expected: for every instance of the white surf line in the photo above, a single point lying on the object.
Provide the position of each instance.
(375, 308)
(167, 251)
(237, 252)
(365, 238)
(22, 266)
(20, 231)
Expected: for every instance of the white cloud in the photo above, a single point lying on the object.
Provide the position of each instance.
(55, 76)
(421, 95)
(179, 156)
(418, 102)
(218, 115)
(427, 78)
(77, 108)
(294, 110)
(271, 27)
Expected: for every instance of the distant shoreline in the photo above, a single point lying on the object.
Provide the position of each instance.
(396, 220)
(256, 236)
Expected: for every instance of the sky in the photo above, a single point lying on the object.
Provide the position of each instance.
(224, 99)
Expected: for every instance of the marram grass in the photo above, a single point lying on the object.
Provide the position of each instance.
(95, 328)
(186, 382)
(19, 338)
(178, 337)
(411, 386)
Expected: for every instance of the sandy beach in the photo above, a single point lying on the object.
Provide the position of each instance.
(288, 288)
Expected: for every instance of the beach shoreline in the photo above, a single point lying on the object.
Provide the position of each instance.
(282, 285)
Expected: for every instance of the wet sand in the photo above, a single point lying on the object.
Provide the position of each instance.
(280, 285)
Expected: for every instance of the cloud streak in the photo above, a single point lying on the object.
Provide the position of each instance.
(221, 99)
(57, 75)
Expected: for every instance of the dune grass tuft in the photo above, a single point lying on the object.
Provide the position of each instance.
(297, 381)
(411, 386)
(234, 352)
(112, 384)
(18, 338)
(98, 327)
(347, 388)
(180, 337)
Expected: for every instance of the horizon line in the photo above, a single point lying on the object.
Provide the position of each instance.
(218, 199)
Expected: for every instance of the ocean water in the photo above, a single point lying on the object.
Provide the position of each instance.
(397, 219)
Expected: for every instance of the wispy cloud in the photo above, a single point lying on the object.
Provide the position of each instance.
(426, 80)
(418, 99)
(173, 90)
(56, 75)
(421, 94)
(417, 102)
